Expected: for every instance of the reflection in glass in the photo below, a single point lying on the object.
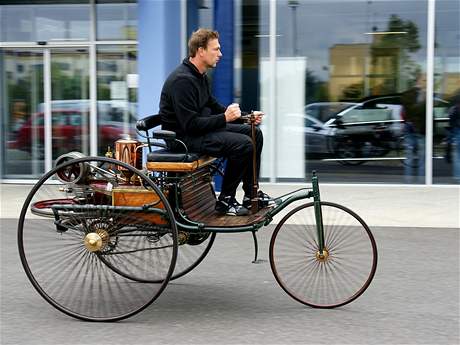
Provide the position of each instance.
(116, 20)
(346, 74)
(24, 118)
(446, 134)
(117, 94)
(69, 101)
(44, 22)
(22, 80)
(453, 151)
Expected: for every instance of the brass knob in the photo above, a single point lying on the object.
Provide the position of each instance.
(323, 256)
(93, 242)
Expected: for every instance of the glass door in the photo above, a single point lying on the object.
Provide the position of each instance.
(70, 106)
(46, 112)
(22, 97)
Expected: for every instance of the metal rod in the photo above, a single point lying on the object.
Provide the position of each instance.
(254, 200)
(92, 56)
(318, 213)
(272, 104)
(429, 93)
(47, 96)
(85, 208)
(256, 247)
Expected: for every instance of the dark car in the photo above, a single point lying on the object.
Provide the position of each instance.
(368, 130)
(359, 132)
(324, 111)
(318, 133)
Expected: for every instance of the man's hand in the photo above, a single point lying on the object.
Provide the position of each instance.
(233, 112)
(258, 115)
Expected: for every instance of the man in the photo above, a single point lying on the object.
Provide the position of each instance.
(414, 103)
(188, 108)
(454, 127)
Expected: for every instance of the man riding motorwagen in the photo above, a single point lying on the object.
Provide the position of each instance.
(100, 238)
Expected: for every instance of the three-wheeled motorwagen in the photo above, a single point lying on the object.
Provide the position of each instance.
(101, 237)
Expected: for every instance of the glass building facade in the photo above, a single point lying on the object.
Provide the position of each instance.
(68, 80)
(357, 90)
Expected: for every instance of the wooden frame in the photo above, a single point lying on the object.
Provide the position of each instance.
(179, 166)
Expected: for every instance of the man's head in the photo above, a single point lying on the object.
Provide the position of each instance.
(204, 48)
(421, 81)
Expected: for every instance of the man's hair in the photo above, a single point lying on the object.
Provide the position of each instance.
(200, 39)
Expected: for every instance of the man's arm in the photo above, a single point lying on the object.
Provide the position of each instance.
(185, 104)
(215, 106)
(213, 103)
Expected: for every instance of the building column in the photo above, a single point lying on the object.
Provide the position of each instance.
(159, 49)
(223, 74)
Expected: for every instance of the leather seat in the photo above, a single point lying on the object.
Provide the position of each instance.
(164, 155)
(163, 159)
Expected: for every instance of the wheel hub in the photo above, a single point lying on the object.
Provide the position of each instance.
(322, 256)
(96, 241)
(182, 237)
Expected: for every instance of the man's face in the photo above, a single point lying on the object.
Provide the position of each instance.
(211, 55)
(421, 82)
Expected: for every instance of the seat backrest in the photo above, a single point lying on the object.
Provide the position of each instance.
(197, 197)
(148, 122)
(164, 160)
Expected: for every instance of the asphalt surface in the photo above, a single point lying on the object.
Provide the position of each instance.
(414, 299)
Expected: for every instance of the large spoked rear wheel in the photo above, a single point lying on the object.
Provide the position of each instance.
(331, 280)
(192, 251)
(82, 240)
(189, 256)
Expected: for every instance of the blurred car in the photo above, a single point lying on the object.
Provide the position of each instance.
(369, 129)
(70, 131)
(343, 130)
(352, 133)
(323, 111)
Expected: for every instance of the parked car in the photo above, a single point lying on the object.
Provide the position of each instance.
(369, 129)
(70, 131)
(323, 111)
(357, 132)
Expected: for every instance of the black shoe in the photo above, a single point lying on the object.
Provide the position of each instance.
(229, 206)
(264, 200)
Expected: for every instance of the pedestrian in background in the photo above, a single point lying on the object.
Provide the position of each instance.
(454, 124)
(414, 104)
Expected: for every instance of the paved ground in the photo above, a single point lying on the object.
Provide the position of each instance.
(414, 299)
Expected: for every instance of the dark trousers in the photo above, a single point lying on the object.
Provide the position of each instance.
(233, 143)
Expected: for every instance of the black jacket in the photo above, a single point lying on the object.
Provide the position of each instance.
(187, 106)
(454, 117)
(414, 109)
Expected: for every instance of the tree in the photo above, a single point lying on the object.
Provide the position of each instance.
(401, 40)
(315, 89)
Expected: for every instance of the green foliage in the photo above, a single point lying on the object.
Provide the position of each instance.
(408, 41)
(397, 46)
(68, 87)
(315, 89)
(353, 91)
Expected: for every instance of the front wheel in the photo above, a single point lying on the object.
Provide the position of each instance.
(330, 279)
